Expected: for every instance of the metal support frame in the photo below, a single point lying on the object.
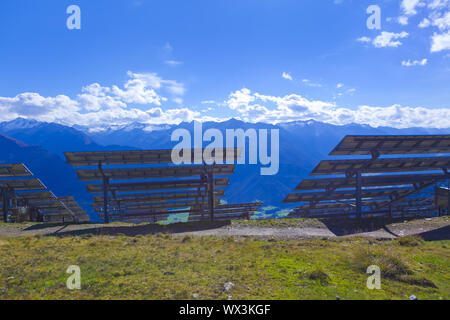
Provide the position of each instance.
(349, 175)
(358, 194)
(448, 202)
(211, 195)
(5, 200)
(74, 216)
(105, 199)
(359, 184)
(105, 192)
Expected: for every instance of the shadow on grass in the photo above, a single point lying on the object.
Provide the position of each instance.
(437, 234)
(41, 226)
(132, 231)
(344, 227)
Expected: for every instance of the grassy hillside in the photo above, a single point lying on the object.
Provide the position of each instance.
(166, 267)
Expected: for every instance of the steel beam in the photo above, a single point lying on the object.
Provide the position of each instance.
(358, 194)
(5, 204)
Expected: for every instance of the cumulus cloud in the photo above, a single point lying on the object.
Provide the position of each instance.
(409, 63)
(309, 83)
(364, 39)
(98, 105)
(409, 6)
(403, 20)
(424, 23)
(440, 42)
(173, 63)
(389, 39)
(286, 76)
(255, 107)
(439, 18)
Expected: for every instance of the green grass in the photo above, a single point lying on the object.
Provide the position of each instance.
(166, 267)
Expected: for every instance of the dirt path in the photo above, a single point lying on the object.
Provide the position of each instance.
(432, 229)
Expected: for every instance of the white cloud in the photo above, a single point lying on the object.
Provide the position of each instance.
(255, 107)
(35, 106)
(386, 39)
(409, 63)
(409, 6)
(308, 83)
(441, 21)
(364, 39)
(208, 102)
(97, 105)
(250, 106)
(286, 76)
(173, 63)
(403, 20)
(424, 23)
(339, 85)
(438, 4)
(440, 42)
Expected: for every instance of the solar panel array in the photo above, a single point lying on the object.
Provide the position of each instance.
(146, 186)
(29, 199)
(389, 145)
(388, 183)
(14, 170)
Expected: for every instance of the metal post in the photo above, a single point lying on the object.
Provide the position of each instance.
(358, 194)
(211, 199)
(122, 215)
(105, 199)
(105, 192)
(5, 204)
(448, 200)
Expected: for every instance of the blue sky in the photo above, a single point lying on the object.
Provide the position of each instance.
(257, 60)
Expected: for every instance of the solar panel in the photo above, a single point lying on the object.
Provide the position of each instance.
(339, 195)
(149, 216)
(150, 206)
(252, 205)
(350, 205)
(231, 209)
(148, 156)
(37, 195)
(156, 185)
(49, 206)
(219, 217)
(333, 167)
(365, 145)
(152, 173)
(22, 184)
(219, 210)
(14, 170)
(145, 197)
(139, 219)
(154, 197)
(75, 208)
(369, 181)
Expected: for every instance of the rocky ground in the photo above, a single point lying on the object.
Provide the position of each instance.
(430, 229)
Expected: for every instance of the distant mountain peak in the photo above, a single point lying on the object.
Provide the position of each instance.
(19, 123)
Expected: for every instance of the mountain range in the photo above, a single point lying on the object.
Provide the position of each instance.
(303, 144)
